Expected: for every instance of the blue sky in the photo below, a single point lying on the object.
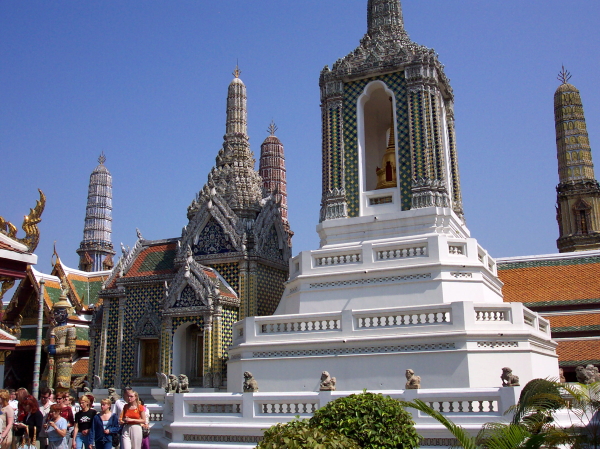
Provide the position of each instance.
(146, 82)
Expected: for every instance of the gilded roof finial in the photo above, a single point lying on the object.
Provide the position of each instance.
(237, 72)
(102, 158)
(564, 75)
(272, 129)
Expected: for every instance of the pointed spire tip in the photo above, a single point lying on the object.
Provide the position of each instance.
(272, 129)
(564, 76)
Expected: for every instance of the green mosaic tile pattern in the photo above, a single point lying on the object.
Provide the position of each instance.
(568, 302)
(230, 316)
(83, 333)
(270, 289)
(158, 261)
(92, 368)
(352, 91)
(230, 272)
(417, 134)
(110, 363)
(81, 287)
(335, 143)
(87, 291)
(569, 363)
(437, 140)
(548, 263)
(558, 330)
(139, 298)
(53, 293)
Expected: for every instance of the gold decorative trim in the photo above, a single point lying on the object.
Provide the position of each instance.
(30, 222)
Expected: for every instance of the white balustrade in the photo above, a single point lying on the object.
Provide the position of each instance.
(402, 253)
(301, 326)
(209, 409)
(465, 406)
(529, 319)
(491, 315)
(456, 250)
(343, 259)
(287, 408)
(407, 318)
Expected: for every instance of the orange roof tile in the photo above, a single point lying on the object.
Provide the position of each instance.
(80, 367)
(572, 352)
(588, 319)
(551, 283)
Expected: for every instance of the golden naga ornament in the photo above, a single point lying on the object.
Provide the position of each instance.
(30, 222)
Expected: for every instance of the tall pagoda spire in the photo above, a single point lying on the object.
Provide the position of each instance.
(272, 170)
(96, 248)
(578, 191)
(383, 17)
(234, 175)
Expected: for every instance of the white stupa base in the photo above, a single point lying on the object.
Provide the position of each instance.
(238, 420)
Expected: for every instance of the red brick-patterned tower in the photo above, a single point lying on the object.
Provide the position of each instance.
(272, 170)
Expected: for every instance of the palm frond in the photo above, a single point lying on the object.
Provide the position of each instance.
(464, 438)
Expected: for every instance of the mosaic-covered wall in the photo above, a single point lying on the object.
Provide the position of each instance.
(270, 289)
(112, 345)
(139, 300)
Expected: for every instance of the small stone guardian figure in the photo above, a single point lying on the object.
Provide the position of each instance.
(61, 346)
(413, 382)
(173, 384)
(250, 384)
(508, 378)
(561, 376)
(327, 382)
(113, 395)
(593, 373)
(184, 384)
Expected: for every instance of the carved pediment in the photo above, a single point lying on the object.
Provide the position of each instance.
(212, 240)
(213, 227)
(271, 236)
(148, 326)
(191, 289)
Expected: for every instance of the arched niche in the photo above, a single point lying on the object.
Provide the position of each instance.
(376, 117)
(188, 352)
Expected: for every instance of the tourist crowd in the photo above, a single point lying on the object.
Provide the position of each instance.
(59, 421)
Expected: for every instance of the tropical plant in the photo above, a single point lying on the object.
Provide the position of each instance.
(374, 421)
(583, 405)
(534, 424)
(298, 434)
(492, 436)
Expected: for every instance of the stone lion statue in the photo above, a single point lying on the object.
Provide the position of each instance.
(327, 382)
(113, 395)
(584, 376)
(250, 384)
(173, 385)
(593, 372)
(508, 378)
(184, 384)
(413, 382)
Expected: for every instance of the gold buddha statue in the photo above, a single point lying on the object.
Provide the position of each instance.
(386, 176)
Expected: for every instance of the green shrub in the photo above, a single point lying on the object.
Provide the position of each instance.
(300, 435)
(372, 420)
